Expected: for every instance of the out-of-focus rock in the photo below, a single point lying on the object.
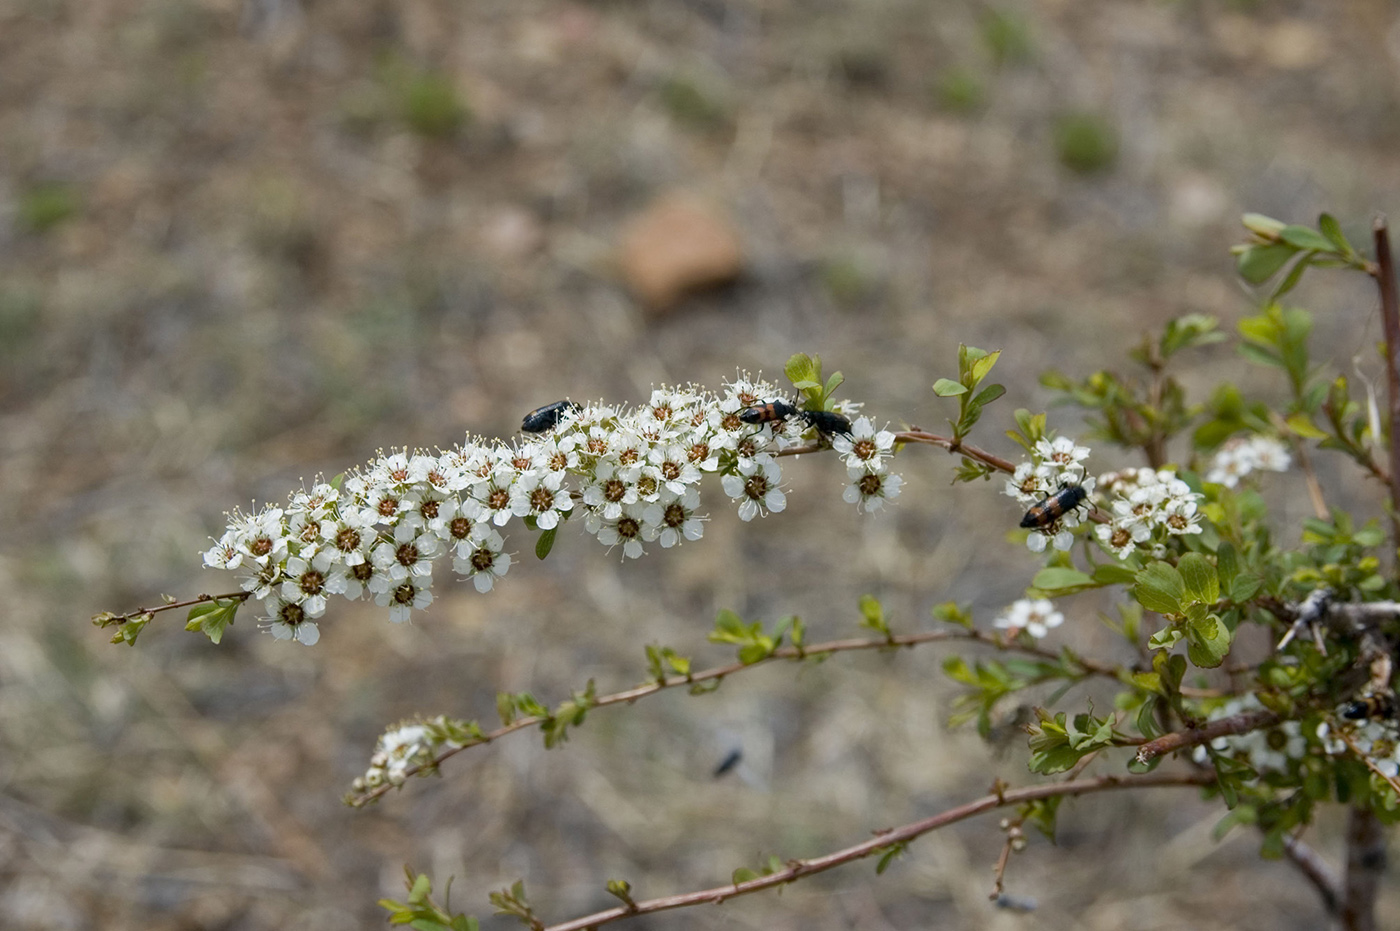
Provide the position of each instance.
(677, 246)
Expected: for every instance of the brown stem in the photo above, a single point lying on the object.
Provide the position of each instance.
(798, 869)
(718, 673)
(1365, 866)
(954, 446)
(171, 606)
(1316, 871)
(1390, 317)
(1241, 723)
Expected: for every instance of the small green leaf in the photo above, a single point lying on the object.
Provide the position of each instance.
(1260, 225)
(947, 388)
(989, 394)
(1208, 642)
(983, 365)
(1333, 231)
(1113, 574)
(873, 615)
(546, 542)
(212, 617)
(1202, 584)
(1305, 238)
(1302, 424)
(1057, 579)
(800, 367)
(1160, 588)
(742, 875)
(1257, 264)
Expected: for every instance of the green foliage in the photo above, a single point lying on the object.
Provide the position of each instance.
(546, 542)
(974, 365)
(872, 616)
(1086, 143)
(421, 913)
(664, 661)
(1058, 741)
(1277, 245)
(754, 643)
(212, 617)
(805, 373)
(889, 854)
(512, 902)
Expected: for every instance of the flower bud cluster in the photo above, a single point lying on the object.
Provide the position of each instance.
(631, 475)
(1243, 455)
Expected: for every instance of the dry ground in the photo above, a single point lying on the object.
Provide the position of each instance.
(246, 241)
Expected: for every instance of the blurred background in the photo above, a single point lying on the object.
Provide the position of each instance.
(243, 242)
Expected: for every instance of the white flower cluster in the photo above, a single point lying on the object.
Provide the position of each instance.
(398, 750)
(1036, 618)
(1265, 749)
(1243, 455)
(867, 454)
(632, 474)
(1378, 740)
(1144, 501)
(1057, 465)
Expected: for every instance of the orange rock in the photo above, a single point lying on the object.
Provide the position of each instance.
(677, 246)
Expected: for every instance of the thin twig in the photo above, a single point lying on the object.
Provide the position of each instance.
(1241, 723)
(1317, 872)
(798, 869)
(172, 605)
(1390, 318)
(954, 446)
(719, 673)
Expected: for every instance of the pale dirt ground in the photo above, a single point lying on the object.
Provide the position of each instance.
(266, 276)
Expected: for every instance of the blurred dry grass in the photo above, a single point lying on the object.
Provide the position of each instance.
(244, 241)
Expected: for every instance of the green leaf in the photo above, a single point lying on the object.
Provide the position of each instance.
(1160, 588)
(1113, 574)
(1257, 264)
(1261, 225)
(947, 388)
(1295, 274)
(1056, 579)
(989, 394)
(982, 365)
(212, 617)
(801, 368)
(1333, 231)
(832, 384)
(1227, 564)
(1302, 424)
(742, 875)
(950, 612)
(873, 615)
(1202, 584)
(1245, 586)
(546, 542)
(1305, 238)
(1207, 641)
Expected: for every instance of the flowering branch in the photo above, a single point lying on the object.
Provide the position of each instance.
(1241, 723)
(799, 869)
(719, 673)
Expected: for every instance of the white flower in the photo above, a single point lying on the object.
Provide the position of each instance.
(1027, 485)
(672, 520)
(869, 491)
(1122, 537)
(538, 494)
(484, 564)
(1062, 458)
(287, 621)
(1243, 455)
(402, 599)
(306, 586)
(755, 487)
(630, 528)
(1036, 618)
(863, 447)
